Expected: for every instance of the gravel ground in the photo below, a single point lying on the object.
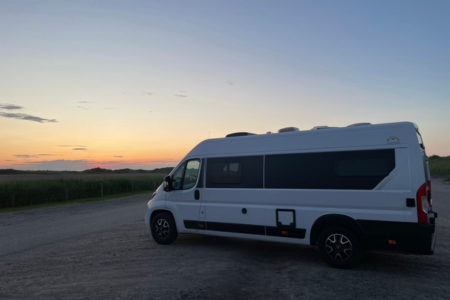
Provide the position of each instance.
(125, 263)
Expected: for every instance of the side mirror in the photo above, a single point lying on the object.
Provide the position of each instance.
(167, 183)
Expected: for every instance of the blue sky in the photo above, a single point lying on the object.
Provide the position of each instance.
(139, 83)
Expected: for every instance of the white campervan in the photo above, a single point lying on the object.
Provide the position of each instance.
(346, 190)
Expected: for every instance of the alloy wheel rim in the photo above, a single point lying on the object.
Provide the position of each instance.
(338, 247)
(162, 228)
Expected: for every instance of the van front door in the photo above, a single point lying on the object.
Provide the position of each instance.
(184, 198)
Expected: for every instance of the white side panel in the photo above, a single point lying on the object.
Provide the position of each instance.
(184, 207)
(227, 205)
(311, 204)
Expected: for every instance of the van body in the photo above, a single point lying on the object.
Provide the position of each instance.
(346, 190)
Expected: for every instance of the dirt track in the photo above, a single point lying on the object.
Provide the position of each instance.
(125, 263)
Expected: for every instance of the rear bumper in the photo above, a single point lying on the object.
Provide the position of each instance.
(416, 238)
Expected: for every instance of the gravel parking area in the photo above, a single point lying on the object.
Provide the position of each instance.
(125, 263)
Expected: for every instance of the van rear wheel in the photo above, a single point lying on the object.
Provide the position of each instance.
(164, 230)
(340, 247)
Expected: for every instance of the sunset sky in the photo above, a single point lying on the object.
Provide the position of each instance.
(137, 84)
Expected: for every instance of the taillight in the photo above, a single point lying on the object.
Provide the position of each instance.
(423, 204)
(430, 199)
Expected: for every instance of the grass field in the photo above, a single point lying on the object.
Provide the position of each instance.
(76, 201)
(440, 166)
(71, 176)
(36, 189)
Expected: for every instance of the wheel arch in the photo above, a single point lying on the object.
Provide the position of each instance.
(334, 220)
(154, 213)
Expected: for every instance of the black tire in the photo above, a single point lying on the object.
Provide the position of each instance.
(163, 228)
(340, 247)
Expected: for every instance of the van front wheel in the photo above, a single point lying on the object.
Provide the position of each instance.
(164, 230)
(340, 247)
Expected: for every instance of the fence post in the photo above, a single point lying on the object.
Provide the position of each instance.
(132, 189)
(101, 189)
(67, 193)
(154, 185)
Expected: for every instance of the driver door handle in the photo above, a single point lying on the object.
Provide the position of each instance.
(197, 194)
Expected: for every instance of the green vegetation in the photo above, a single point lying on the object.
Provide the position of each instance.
(440, 166)
(79, 201)
(30, 189)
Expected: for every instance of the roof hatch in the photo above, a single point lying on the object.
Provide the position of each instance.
(239, 134)
(322, 127)
(359, 124)
(288, 129)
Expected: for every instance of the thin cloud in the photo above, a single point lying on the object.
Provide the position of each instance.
(26, 117)
(25, 156)
(56, 165)
(31, 155)
(109, 108)
(118, 156)
(10, 106)
(85, 102)
(79, 149)
(179, 95)
(83, 108)
(71, 146)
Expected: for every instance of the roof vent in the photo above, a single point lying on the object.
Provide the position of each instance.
(359, 124)
(288, 129)
(239, 134)
(320, 127)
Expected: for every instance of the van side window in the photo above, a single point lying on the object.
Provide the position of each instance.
(177, 177)
(351, 170)
(186, 176)
(362, 167)
(235, 172)
(190, 177)
(226, 172)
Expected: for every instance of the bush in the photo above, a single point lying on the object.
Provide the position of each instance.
(439, 166)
